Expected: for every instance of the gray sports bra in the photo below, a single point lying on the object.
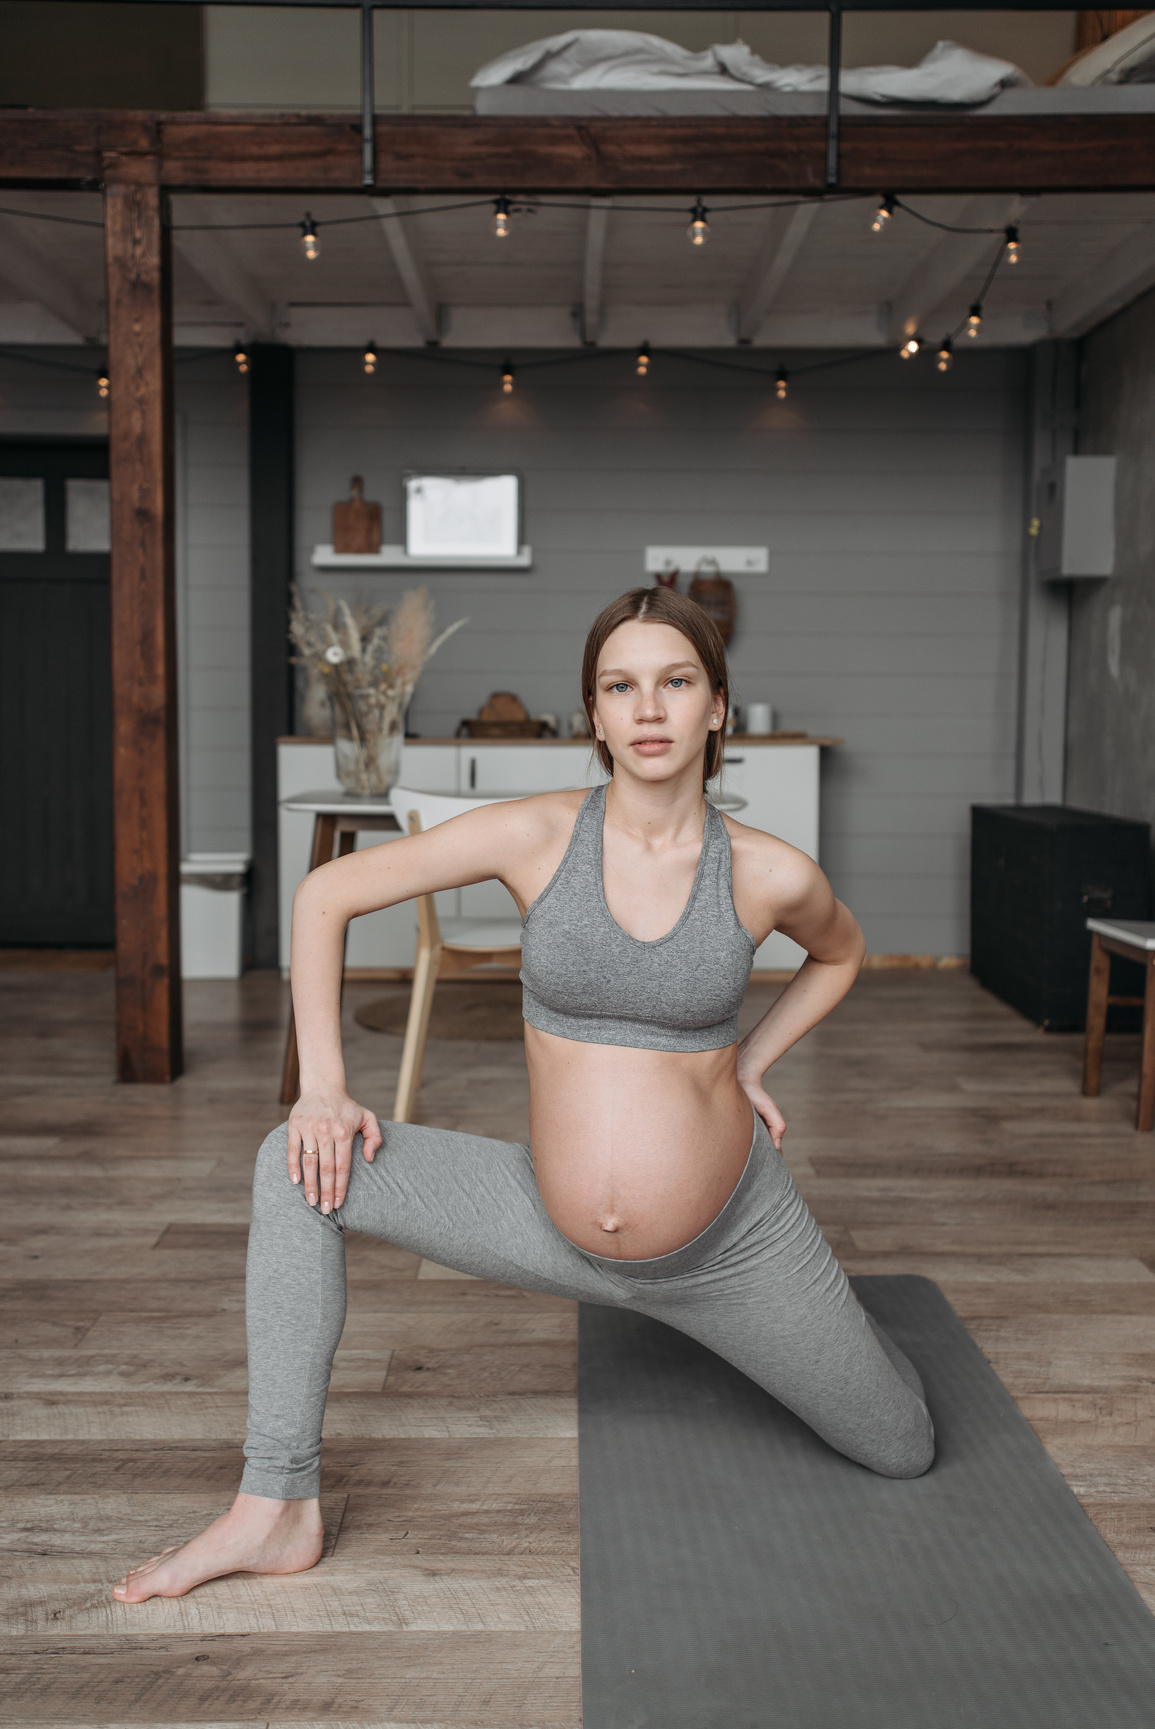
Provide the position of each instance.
(584, 977)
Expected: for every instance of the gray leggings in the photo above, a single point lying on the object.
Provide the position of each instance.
(759, 1286)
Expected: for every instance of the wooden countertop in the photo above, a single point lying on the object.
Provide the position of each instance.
(740, 738)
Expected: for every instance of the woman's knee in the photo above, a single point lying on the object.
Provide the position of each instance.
(272, 1190)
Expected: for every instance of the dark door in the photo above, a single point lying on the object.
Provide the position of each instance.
(55, 696)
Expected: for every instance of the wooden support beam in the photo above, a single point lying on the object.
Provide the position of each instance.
(942, 152)
(144, 723)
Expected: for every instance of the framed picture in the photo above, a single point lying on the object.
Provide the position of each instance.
(463, 516)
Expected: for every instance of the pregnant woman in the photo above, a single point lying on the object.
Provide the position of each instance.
(653, 1179)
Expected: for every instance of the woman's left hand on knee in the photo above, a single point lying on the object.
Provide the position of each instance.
(322, 1126)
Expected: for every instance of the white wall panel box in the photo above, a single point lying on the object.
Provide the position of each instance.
(212, 908)
(730, 560)
(1077, 518)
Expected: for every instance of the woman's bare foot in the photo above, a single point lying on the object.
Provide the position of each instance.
(256, 1535)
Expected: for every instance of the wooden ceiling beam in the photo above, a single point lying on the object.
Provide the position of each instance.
(486, 153)
(593, 268)
(409, 262)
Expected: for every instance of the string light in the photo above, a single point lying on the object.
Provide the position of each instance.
(102, 385)
(241, 358)
(975, 318)
(944, 359)
(1013, 248)
(781, 384)
(502, 210)
(699, 229)
(507, 378)
(369, 358)
(883, 214)
(910, 347)
(643, 359)
(310, 245)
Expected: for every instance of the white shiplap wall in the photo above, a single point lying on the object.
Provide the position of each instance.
(889, 495)
(213, 577)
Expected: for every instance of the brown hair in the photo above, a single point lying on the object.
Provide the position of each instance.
(660, 606)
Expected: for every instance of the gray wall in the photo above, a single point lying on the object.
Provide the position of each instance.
(1111, 707)
(890, 497)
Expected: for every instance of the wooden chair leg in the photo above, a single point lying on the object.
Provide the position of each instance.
(1145, 1116)
(1097, 992)
(425, 970)
(324, 828)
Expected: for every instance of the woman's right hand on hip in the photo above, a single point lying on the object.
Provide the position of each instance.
(321, 1129)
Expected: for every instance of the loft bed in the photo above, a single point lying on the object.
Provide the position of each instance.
(1025, 141)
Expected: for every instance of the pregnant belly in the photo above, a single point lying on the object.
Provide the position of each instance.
(634, 1151)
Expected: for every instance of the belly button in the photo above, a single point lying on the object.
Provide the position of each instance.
(613, 1223)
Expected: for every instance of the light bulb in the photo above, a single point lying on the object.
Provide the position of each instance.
(310, 245)
(241, 358)
(699, 229)
(507, 378)
(781, 384)
(975, 318)
(883, 214)
(944, 359)
(369, 358)
(102, 385)
(910, 347)
(1014, 250)
(643, 359)
(502, 210)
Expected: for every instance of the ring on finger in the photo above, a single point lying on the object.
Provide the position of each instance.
(310, 1152)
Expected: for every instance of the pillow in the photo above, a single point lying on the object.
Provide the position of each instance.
(1128, 57)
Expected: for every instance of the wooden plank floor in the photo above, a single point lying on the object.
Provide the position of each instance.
(932, 1131)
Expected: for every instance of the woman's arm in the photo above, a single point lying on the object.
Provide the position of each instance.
(804, 909)
(470, 848)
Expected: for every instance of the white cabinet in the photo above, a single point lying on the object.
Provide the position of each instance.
(779, 783)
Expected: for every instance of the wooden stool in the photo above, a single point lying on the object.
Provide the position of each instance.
(1134, 939)
(339, 817)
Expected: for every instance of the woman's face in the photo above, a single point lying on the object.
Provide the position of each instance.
(653, 703)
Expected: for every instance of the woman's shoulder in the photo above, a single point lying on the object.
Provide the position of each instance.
(542, 814)
(770, 862)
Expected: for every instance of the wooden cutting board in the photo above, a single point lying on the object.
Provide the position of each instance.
(356, 522)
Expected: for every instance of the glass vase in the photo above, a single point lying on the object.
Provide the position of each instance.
(368, 730)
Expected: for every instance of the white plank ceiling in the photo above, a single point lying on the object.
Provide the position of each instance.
(612, 272)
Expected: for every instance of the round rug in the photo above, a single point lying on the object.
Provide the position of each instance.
(460, 1011)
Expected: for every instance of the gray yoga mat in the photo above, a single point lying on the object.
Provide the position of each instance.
(738, 1574)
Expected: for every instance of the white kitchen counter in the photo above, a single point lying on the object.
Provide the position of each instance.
(778, 779)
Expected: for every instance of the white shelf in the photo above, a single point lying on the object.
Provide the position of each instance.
(396, 558)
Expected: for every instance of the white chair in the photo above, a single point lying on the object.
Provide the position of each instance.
(443, 945)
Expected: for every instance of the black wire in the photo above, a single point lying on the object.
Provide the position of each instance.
(947, 227)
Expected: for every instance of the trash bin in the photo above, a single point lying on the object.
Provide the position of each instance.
(212, 915)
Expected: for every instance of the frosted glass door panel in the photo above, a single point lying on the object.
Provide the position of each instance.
(22, 514)
(87, 518)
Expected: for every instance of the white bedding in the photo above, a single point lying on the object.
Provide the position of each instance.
(747, 101)
(632, 60)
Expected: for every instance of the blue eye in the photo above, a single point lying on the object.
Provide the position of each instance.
(677, 682)
(619, 687)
